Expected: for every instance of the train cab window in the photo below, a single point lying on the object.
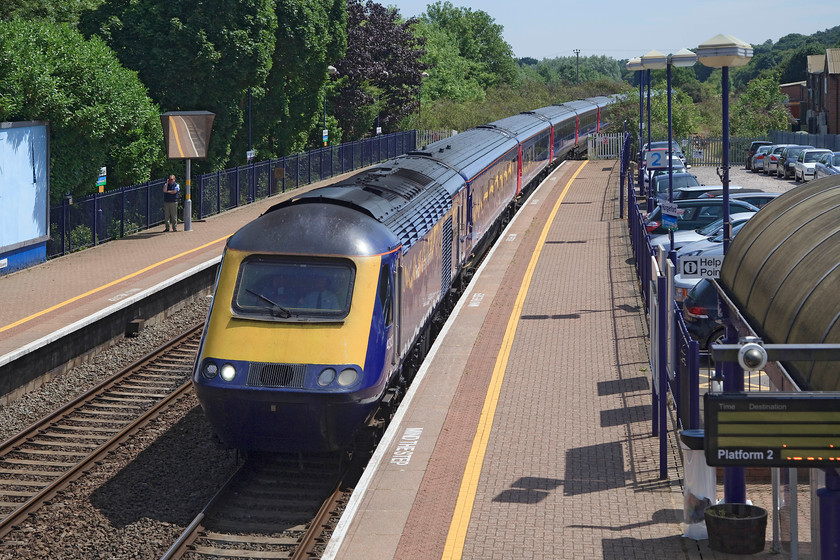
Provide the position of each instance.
(385, 294)
(298, 290)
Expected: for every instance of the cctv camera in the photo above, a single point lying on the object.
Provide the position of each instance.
(752, 356)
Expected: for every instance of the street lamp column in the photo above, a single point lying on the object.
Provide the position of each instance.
(723, 51)
(681, 58)
(332, 71)
(653, 60)
(635, 65)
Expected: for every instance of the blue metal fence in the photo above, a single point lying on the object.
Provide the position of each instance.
(681, 367)
(101, 217)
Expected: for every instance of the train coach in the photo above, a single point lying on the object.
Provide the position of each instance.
(320, 301)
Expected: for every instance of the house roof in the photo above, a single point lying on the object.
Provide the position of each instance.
(816, 63)
(832, 57)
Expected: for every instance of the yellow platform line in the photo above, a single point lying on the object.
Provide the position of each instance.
(108, 285)
(454, 546)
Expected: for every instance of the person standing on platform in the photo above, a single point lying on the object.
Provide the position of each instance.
(170, 203)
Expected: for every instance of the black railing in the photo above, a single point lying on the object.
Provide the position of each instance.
(102, 217)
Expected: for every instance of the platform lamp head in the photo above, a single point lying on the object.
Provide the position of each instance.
(725, 51)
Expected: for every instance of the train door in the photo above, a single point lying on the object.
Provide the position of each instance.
(598, 124)
(519, 170)
(387, 301)
(577, 129)
(551, 143)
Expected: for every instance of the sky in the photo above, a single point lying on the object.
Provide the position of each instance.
(622, 29)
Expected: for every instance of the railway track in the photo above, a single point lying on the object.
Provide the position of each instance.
(273, 507)
(40, 461)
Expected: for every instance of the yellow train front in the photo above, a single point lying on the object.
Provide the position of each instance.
(296, 352)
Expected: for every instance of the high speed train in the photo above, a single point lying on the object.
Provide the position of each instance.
(319, 301)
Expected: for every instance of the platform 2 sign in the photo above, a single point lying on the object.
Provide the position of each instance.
(772, 429)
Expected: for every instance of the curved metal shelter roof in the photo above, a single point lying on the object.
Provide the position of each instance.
(783, 273)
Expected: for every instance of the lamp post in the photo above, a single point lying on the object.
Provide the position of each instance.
(635, 65)
(331, 70)
(682, 58)
(420, 101)
(723, 51)
(653, 60)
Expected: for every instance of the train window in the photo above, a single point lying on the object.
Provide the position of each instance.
(293, 289)
(385, 292)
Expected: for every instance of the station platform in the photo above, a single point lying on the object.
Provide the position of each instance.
(527, 432)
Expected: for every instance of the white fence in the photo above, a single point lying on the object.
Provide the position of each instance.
(605, 146)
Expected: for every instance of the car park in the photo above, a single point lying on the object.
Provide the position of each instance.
(753, 149)
(805, 163)
(695, 214)
(759, 157)
(687, 236)
(772, 158)
(784, 167)
(828, 164)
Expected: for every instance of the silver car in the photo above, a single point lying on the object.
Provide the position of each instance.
(828, 164)
(757, 163)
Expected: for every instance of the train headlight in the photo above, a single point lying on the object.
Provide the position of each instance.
(348, 377)
(210, 370)
(326, 377)
(228, 372)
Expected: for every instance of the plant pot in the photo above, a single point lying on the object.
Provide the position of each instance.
(736, 528)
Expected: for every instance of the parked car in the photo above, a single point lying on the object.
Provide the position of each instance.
(754, 197)
(695, 213)
(688, 236)
(753, 149)
(805, 163)
(758, 159)
(705, 191)
(772, 158)
(700, 312)
(784, 167)
(828, 164)
(680, 181)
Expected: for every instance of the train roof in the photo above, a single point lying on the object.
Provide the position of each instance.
(407, 195)
(314, 229)
(783, 272)
(523, 125)
(579, 106)
(472, 151)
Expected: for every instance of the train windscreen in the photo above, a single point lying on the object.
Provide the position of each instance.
(286, 288)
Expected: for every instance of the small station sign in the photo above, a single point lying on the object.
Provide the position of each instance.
(772, 429)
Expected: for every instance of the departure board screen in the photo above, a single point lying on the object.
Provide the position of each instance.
(772, 429)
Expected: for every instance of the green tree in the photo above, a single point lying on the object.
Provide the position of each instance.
(56, 11)
(311, 36)
(99, 112)
(451, 76)
(760, 109)
(479, 40)
(381, 72)
(191, 57)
